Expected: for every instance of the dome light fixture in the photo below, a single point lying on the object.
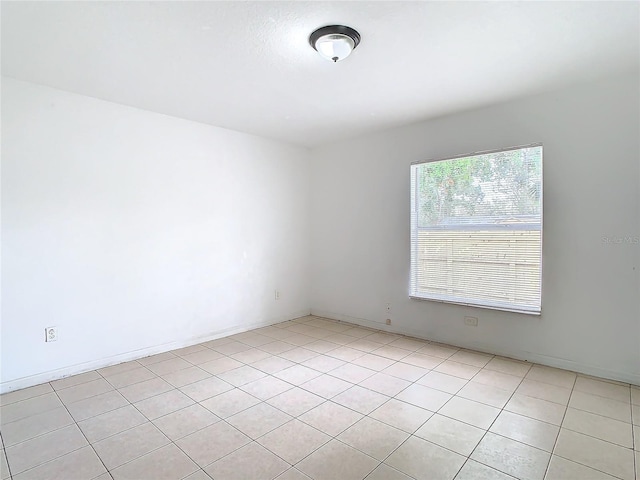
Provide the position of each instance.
(334, 42)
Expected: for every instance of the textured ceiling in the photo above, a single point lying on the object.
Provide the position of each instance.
(248, 66)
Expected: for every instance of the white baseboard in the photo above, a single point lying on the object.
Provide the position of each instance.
(59, 373)
(627, 377)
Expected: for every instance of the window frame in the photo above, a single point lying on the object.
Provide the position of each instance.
(413, 248)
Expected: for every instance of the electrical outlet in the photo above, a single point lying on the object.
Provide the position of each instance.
(471, 321)
(277, 295)
(388, 321)
(51, 334)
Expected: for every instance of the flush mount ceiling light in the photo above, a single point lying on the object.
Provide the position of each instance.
(334, 42)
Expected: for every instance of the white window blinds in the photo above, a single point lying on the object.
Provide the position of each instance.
(476, 229)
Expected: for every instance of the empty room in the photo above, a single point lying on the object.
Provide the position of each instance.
(304, 240)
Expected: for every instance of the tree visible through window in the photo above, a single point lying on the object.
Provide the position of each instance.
(476, 226)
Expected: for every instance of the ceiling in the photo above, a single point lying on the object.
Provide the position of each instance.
(248, 66)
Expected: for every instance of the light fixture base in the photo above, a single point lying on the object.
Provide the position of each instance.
(338, 41)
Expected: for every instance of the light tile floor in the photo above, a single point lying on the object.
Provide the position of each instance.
(318, 399)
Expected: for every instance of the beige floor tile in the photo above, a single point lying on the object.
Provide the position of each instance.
(604, 428)
(554, 376)
(601, 406)
(167, 463)
(473, 470)
(526, 430)
(425, 461)
(457, 369)
(231, 348)
(258, 420)
(360, 399)
(185, 422)
(212, 443)
(407, 372)
(401, 415)
(251, 462)
(169, 366)
(364, 345)
(255, 340)
(294, 440)
(30, 427)
(229, 403)
(118, 368)
(443, 382)
(80, 464)
(374, 438)
(536, 408)
(44, 448)
(266, 387)
(242, 375)
(293, 474)
(383, 337)
(111, 423)
(424, 397)
(392, 353)
(467, 411)
(148, 388)
(509, 366)
(299, 339)
(423, 361)
(272, 365)
(298, 355)
(250, 356)
(203, 356)
(25, 394)
(563, 469)
(129, 377)
(186, 376)
(487, 394)
(326, 386)
(336, 460)
(544, 391)
(26, 408)
(75, 380)
(603, 389)
(220, 365)
(319, 346)
(323, 363)
(476, 359)
(408, 343)
(346, 354)
(160, 357)
(97, 405)
(181, 352)
(385, 472)
(330, 418)
(385, 384)
(296, 401)
(636, 437)
(637, 454)
(130, 444)
(359, 332)
(635, 395)
(163, 404)
(451, 434)
(199, 475)
(340, 339)
(4, 467)
(498, 379)
(297, 375)
(635, 410)
(598, 454)
(207, 388)
(438, 350)
(373, 362)
(511, 457)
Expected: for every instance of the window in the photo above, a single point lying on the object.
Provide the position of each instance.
(476, 229)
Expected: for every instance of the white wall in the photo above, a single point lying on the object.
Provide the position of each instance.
(591, 289)
(134, 232)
